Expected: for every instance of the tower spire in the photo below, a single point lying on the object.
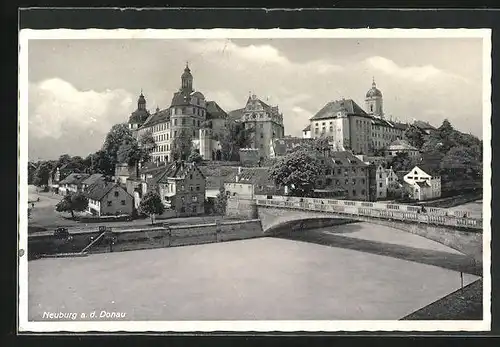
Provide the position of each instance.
(373, 82)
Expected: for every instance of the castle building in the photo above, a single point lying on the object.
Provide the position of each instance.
(265, 122)
(349, 127)
(189, 114)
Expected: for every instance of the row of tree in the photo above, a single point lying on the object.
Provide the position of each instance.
(454, 149)
(120, 146)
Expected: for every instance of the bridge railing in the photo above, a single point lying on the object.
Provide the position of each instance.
(363, 209)
(378, 205)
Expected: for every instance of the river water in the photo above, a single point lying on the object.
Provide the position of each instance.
(258, 279)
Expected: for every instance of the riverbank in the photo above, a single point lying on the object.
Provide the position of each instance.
(463, 304)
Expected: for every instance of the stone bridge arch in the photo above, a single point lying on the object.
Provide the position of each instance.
(275, 219)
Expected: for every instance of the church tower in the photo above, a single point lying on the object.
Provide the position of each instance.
(141, 102)
(374, 102)
(187, 81)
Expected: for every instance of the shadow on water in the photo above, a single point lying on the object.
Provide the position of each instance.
(451, 261)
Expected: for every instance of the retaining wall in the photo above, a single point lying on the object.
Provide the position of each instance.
(133, 239)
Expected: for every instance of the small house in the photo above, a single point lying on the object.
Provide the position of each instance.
(108, 198)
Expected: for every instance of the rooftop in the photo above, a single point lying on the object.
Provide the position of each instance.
(99, 190)
(331, 109)
(214, 111)
(74, 178)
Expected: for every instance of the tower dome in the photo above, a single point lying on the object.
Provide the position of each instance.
(374, 91)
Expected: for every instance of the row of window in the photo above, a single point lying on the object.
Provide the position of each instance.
(196, 122)
(329, 181)
(187, 110)
(193, 199)
(346, 171)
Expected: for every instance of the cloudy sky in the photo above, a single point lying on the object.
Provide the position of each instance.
(79, 88)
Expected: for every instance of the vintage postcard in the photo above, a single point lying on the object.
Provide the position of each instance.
(254, 180)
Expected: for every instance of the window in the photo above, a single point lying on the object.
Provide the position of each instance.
(261, 126)
(197, 188)
(191, 176)
(194, 209)
(354, 192)
(194, 133)
(175, 121)
(183, 209)
(362, 192)
(110, 203)
(191, 188)
(380, 184)
(261, 135)
(123, 202)
(339, 171)
(346, 181)
(116, 194)
(194, 122)
(379, 175)
(328, 181)
(182, 199)
(175, 133)
(353, 181)
(182, 188)
(183, 121)
(362, 181)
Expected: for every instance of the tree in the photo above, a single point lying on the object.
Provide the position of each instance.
(151, 205)
(73, 202)
(402, 162)
(114, 139)
(298, 170)
(102, 162)
(195, 157)
(220, 204)
(464, 157)
(182, 146)
(147, 141)
(447, 135)
(234, 137)
(42, 174)
(414, 136)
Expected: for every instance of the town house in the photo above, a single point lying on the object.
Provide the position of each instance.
(108, 198)
(424, 182)
(72, 183)
(181, 186)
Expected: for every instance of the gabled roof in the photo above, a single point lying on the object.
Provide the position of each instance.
(401, 145)
(178, 169)
(162, 116)
(92, 179)
(254, 175)
(236, 115)
(330, 109)
(307, 128)
(100, 189)
(214, 111)
(428, 169)
(74, 178)
(345, 158)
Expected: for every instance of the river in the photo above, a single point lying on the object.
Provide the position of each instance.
(258, 279)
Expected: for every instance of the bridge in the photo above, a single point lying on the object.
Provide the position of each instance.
(463, 234)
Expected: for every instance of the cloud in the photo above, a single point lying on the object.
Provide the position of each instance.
(423, 73)
(74, 111)
(58, 111)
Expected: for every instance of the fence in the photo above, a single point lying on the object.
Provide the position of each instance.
(357, 208)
